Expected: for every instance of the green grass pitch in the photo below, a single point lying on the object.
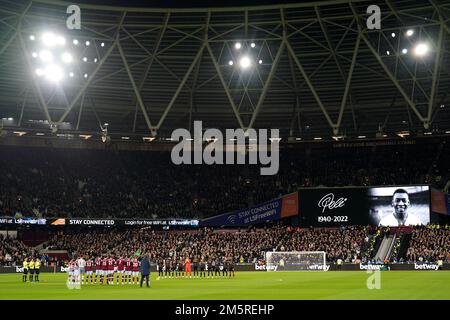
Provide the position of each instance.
(246, 285)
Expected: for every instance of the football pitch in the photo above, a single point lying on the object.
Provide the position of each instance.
(245, 286)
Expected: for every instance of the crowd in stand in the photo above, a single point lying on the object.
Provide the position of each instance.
(350, 244)
(105, 183)
(342, 244)
(242, 246)
(12, 251)
(429, 244)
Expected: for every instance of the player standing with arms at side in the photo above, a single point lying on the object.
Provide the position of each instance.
(104, 273)
(135, 271)
(207, 267)
(231, 266)
(181, 267)
(214, 268)
(202, 268)
(31, 268)
(120, 269)
(74, 273)
(159, 268)
(187, 267)
(111, 263)
(70, 272)
(37, 268)
(128, 270)
(89, 270)
(171, 269)
(82, 266)
(195, 262)
(25, 269)
(176, 267)
(164, 268)
(98, 269)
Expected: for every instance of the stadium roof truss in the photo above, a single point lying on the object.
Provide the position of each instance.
(317, 70)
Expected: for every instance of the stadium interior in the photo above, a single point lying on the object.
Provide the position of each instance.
(88, 115)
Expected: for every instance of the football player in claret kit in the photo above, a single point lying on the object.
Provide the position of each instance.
(111, 263)
(104, 270)
(89, 270)
(120, 269)
(128, 270)
(98, 269)
(135, 271)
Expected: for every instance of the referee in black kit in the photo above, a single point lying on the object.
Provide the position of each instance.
(145, 270)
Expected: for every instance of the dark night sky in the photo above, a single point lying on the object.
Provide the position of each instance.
(188, 3)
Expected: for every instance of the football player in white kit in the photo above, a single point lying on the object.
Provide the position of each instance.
(82, 268)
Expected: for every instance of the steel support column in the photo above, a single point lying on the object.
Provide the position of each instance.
(267, 84)
(88, 82)
(385, 68)
(436, 72)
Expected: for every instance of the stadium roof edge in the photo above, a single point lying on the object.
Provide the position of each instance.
(205, 9)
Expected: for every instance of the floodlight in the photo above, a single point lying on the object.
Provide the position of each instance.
(34, 55)
(45, 55)
(32, 37)
(66, 57)
(230, 62)
(404, 51)
(53, 73)
(260, 61)
(102, 44)
(245, 62)
(252, 45)
(71, 74)
(60, 40)
(393, 34)
(410, 32)
(421, 49)
(95, 60)
(49, 39)
(88, 43)
(388, 53)
(85, 59)
(39, 72)
(75, 42)
(238, 45)
(85, 75)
